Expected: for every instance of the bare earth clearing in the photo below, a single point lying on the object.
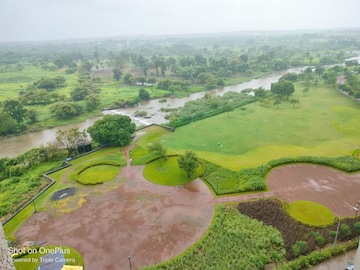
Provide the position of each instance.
(153, 223)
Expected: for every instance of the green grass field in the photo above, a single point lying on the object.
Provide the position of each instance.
(168, 172)
(311, 213)
(325, 123)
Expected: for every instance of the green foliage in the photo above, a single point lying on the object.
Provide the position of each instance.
(283, 89)
(115, 130)
(168, 172)
(320, 240)
(158, 149)
(346, 229)
(143, 94)
(97, 173)
(15, 109)
(8, 124)
(310, 213)
(299, 248)
(208, 106)
(305, 262)
(233, 241)
(66, 109)
(117, 74)
(188, 162)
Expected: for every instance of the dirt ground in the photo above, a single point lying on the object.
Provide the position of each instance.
(153, 223)
(323, 185)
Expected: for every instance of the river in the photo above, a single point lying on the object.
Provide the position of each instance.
(13, 146)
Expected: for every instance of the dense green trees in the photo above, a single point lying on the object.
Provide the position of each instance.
(283, 89)
(15, 109)
(115, 130)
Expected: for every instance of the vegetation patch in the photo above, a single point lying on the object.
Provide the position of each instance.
(233, 241)
(168, 172)
(300, 239)
(311, 213)
(97, 173)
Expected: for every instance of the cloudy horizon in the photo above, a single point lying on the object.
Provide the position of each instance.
(36, 20)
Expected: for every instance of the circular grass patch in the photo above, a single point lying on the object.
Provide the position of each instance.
(311, 213)
(168, 172)
(97, 174)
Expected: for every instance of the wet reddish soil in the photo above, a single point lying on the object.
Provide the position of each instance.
(153, 223)
(323, 185)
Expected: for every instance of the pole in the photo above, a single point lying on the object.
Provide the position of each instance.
(129, 258)
(338, 225)
(33, 200)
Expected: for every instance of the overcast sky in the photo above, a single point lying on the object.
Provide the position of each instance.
(23, 20)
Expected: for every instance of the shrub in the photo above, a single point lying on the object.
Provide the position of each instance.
(346, 229)
(320, 240)
(299, 248)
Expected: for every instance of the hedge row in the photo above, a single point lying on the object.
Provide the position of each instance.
(253, 179)
(316, 257)
(80, 169)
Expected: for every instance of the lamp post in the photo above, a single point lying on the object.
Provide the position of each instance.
(338, 225)
(33, 201)
(129, 258)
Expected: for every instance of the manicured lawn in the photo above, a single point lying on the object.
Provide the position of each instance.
(98, 173)
(311, 213)
(42, 202)
(168, 173)
(325, 123)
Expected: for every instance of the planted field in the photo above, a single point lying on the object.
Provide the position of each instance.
(233, 241)
(299, 239)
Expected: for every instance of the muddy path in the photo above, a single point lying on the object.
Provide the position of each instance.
(153, 223)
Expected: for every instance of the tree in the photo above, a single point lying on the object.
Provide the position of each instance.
(128, 78)
(70, 139)
(66, 109)
(143, 94)
(188, 162)
(32, 115)
(294, 102)
(277, 103)
(117, 74)
(7, 124)
(79, 93)
(283, 88)
(92, 102)
(15, 109)
(228, 107)
(159, 149)
(46, 83)
(115, 130)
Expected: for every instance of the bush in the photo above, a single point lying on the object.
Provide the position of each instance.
(299, 248)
